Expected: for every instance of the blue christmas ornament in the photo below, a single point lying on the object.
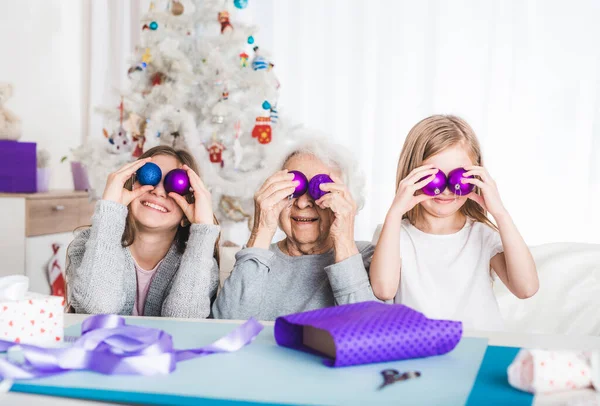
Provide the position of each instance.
(144, 64)
(266, 105)
(274, 115)
(240, 3)
(250, 40)
(259, 63)
(153, 25)
(149, 174)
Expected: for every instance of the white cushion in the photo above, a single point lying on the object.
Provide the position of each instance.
(568, 301)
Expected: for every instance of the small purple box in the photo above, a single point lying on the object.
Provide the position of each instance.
(18, 167)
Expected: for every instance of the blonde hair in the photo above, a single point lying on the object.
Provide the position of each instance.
(183, 231)
(431, 136)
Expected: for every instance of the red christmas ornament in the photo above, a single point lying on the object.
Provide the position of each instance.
(157, 78)
(224, 20)
(215, 152)
(262, 130)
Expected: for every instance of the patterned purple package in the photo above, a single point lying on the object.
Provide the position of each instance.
(369, 332)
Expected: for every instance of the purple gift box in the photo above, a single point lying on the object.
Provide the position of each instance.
(18, 167)
(368, 332)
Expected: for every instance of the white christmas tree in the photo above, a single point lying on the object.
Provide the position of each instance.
(198, 81)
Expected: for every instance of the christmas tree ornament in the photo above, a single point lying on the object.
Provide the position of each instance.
(177, 181)
(224, 20)
(455, 182)
(157, 78)
(259, 62)
(119, 142)
(262, 130)
(146, 57)
(176, 8)
(274, 115)
(136, 126)
(241, 4)
(154, 26)
(250, 40)
(302, 184)
(243, 59)
(219, 111)
(266, 105)
(314, 186)
(225, 95)
(215, 152)
(145, 27)
(436, 186)
(133, 69)
(149, 174)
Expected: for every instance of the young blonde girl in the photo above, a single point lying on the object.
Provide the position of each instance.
(147, 252)
(439, 254)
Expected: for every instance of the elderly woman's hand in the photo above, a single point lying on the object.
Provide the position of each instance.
(269, 201)
(344, 208)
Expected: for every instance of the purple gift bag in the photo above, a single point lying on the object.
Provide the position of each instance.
(368, 332)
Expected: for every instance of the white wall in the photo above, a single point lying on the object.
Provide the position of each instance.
(41, 45)
(524, 73)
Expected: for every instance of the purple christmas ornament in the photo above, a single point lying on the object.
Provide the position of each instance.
(314, 188)
(302, 183)
(436, 186)
(455, 184)
(177, 181)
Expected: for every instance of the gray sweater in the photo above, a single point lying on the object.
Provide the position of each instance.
(266, 284)
(101, 276)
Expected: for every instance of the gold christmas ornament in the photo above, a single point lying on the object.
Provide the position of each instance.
(176, 8)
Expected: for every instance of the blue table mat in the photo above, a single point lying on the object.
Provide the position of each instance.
(264, 373)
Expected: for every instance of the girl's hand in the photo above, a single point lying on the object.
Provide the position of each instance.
(115, 184)
(199, 212)
(405, 198)
(490, 197)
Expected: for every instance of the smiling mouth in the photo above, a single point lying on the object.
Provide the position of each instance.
(155, 207)
(304, 219)
(443, 201)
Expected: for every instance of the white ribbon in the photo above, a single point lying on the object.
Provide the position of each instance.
(13, 287)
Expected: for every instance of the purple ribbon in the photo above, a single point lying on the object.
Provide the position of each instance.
(109, 346)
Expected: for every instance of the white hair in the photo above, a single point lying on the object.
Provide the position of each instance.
(335, 156)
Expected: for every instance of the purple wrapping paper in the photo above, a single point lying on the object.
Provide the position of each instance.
(18, 167)
(370, 332)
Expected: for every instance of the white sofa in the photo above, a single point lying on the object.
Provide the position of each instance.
(568, 301)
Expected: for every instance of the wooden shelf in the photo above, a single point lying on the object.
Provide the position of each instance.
(53, 194)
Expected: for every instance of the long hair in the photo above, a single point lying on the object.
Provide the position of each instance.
(183, 231)
(431, 136)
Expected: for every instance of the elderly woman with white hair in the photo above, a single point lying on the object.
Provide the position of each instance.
(318, 264)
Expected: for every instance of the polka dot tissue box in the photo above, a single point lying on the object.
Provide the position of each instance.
(29, 318)
(367, 332)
